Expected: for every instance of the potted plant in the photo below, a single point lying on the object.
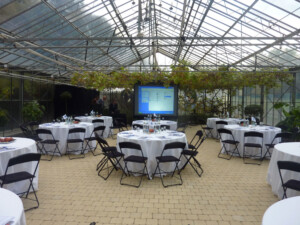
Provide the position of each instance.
(33, 111)
(65, 96)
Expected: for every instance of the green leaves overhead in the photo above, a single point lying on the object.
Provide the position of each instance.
(224, 78)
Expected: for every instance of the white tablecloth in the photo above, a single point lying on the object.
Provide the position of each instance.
(172, 124)
(107, 122)
(239, 131)
(16, 148)
(284, 212)
(60, 132)
(11, 208)
(211, 122)
(152, 146)
(283, 152)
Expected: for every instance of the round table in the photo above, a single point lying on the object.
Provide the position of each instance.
(172, 124)
(60, 132)
(211, 122)
(284, 212)
(239, 131)
(11, 208)
(18, 147)
(152, 146)
(289, 151)
(107, 122)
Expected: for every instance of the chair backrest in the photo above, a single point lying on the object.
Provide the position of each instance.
(99, 130)
(222, 122)
(288, 165)
(131, 146)
(98, 121)
(29, 157)
(46, 134)
(173, 145)
(79, 131)
(253, 134)
(225, 131)
(197, 139)
(285, 137)
(102, 142)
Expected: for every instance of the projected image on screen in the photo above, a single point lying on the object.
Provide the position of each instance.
(158, 100)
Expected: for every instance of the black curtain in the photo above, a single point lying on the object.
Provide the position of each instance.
(79, 104)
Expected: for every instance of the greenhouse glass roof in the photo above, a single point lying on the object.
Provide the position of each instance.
(55, 38)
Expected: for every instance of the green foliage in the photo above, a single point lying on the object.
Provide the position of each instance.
(3, 117)
(292, 118)
(253, 110)
(223, 78)
(33, 111)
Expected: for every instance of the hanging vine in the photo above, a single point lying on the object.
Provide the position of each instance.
(224, 78)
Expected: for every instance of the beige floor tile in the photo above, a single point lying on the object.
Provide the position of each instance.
(228, 193)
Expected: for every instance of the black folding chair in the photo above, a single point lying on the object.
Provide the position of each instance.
(284, 137)
(229, 140)
(166, 157)
(75, 137)
(207, 130)
(116, 124)
(28, 134)
(292, 183)
(191, 153)
(47, 139)
(248, 144)
(220, 124)
(135, 156)
(97, 130)
(111, 158)
(9, 178)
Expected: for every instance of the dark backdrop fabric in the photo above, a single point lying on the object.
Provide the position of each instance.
(79, 104)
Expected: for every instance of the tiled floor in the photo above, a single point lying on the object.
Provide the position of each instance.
(228, 193)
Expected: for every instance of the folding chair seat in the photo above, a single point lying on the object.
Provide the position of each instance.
(111, 158)
(47, 138)
(97, 130)
(220, 124)
(229, 140)
(248, 144)
(284, 137)
(9, 178)
(191, 153)
(135, 156)
(75, 143)
(167, 157)
(292, 183)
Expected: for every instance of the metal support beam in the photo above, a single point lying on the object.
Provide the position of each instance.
(229, 29)
(267, 47)
(124, 27)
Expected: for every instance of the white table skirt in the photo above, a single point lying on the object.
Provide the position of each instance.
(11, 206)
(211, 122)
(289, 151)
(284, 212)
(60, 132)
(107, 122)
(16, 148)
(238, 133)
(172, 124)
(152, 146)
